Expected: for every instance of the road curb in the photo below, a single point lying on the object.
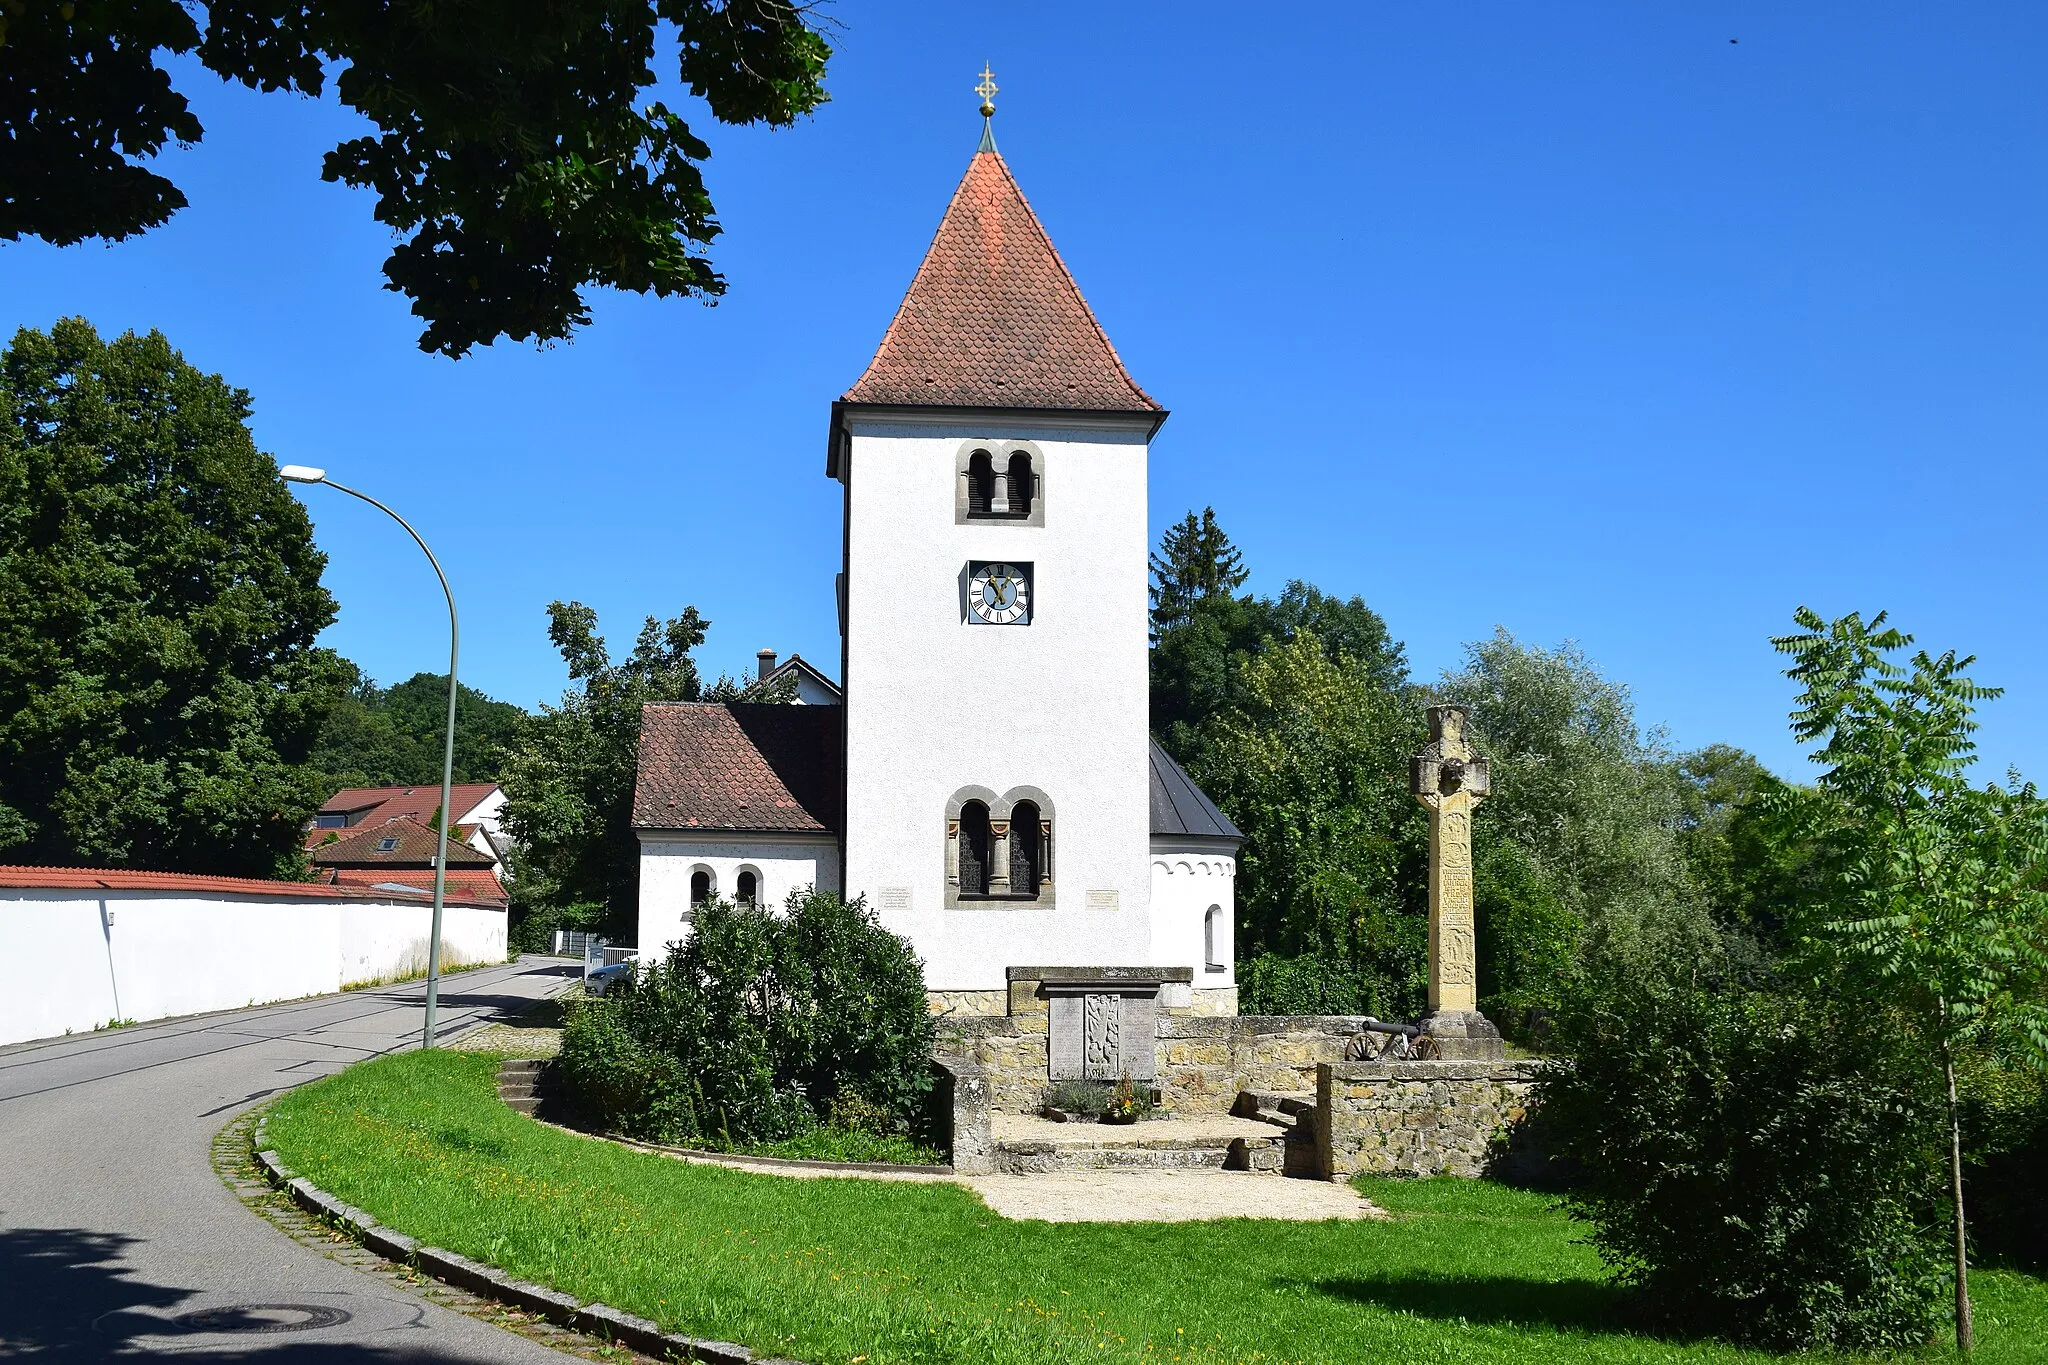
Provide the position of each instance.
(485, 1281)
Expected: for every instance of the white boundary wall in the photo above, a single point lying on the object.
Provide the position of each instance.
(77, 958)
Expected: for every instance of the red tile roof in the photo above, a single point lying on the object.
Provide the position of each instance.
(994, 318)
(463, 884)
(738, 766)
(181, 883)
(400, 803)
(416, 845)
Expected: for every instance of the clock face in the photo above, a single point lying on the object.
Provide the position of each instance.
(999, 594)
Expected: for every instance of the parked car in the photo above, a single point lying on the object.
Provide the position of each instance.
(600, 981)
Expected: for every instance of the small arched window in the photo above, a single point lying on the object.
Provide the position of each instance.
(981, 483)
(1027, 849)
(1213, 939)
(974, 849)
(700, 888)
(1020, 483)
(747, 887)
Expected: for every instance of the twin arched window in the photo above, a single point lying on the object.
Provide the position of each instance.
(704, 886)
(1001, 483)
(999, 848)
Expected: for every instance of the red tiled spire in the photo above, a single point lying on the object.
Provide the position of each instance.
(994, 319)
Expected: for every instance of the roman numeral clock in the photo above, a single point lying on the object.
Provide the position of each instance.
(999, 594)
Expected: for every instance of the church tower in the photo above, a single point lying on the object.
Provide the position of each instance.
(998, 774)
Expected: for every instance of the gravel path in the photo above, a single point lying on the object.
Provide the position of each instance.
(1166, 1197)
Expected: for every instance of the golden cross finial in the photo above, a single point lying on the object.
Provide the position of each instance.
(987, 89)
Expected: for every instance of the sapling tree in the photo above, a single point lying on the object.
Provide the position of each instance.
(1935, 906)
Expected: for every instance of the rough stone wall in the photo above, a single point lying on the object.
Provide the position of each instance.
(1416, 1118)
(1203, 1061)
(1010, 1050)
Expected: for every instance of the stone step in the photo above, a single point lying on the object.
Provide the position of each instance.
(1259, 1103)
(1210, 1154)
(519, 1065)
(522, 1104)
(517, 1092)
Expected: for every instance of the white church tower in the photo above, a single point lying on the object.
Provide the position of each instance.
(994, 605)
(988, 782)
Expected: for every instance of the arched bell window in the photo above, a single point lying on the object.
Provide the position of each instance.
(701, 888)
(999, 481)
(1020, 483)
(974, 849)
(1027, 849)
(747, 887)
(981, 483)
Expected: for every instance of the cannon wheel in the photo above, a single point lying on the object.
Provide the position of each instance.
(1424, 1048)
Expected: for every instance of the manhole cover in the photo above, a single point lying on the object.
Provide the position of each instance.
(251, 1318)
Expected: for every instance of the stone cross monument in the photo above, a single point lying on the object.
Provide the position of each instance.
(1449, 779)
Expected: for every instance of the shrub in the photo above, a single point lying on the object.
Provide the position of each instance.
(1761, 1167)
(2005, 1161)
(1321, 983)
(756, 1028)
(1086, 1098)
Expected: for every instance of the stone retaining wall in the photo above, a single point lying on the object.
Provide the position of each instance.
(1202, 1061)
(1416, 1118)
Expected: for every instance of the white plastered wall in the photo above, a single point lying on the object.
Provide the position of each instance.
(667, 859)
(1185, 884)
(935, 705)
(77, 959)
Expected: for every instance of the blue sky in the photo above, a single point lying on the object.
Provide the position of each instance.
(1581, 320)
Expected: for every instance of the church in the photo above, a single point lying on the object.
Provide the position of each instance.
(984, 776)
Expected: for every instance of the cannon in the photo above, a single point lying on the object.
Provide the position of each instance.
(1379, 1040)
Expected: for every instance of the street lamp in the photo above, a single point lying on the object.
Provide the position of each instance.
(298, 473)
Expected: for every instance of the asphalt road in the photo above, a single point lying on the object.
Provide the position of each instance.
(113, 1222)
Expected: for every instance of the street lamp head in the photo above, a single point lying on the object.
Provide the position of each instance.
(299, 473)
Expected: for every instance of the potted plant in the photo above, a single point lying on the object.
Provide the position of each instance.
(1126, 1104)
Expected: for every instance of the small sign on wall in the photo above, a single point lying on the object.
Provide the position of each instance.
(891, 899)
(1104, 900)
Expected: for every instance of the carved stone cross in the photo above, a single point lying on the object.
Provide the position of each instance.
(1450, 779)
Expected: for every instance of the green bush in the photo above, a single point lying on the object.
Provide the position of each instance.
(533, 926)
(2005, 1161)
(759, 1028)
(1321, 983)
(1760, 1167)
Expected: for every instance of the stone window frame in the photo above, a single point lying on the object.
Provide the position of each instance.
(999, 453)
(1000, 810)
(1212, 921)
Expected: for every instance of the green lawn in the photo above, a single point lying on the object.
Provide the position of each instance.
(873, 1271)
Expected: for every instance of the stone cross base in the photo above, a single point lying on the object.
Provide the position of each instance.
(1464, 1036)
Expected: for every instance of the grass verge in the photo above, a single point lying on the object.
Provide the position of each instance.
(882, 1272)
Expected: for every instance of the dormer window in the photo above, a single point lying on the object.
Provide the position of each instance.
(1000, 481)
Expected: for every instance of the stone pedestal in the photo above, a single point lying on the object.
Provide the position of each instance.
(1463, 1036)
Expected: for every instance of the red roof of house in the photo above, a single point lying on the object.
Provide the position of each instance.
(120, 879)
(461, 883)
(414, 845)
(994, 318)
(400, 803)
(738, 766)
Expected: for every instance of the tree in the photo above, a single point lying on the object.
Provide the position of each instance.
(1590, 807)
(1937, 910)
(510, 151)
(1311, 763)
(160, 595)
(569, 782)
(1195, 562)
(1203, 632)
(378, 735)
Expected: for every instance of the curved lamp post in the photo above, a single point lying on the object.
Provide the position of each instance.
(298, 473)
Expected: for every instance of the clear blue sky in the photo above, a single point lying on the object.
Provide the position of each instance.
(1581, 320)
